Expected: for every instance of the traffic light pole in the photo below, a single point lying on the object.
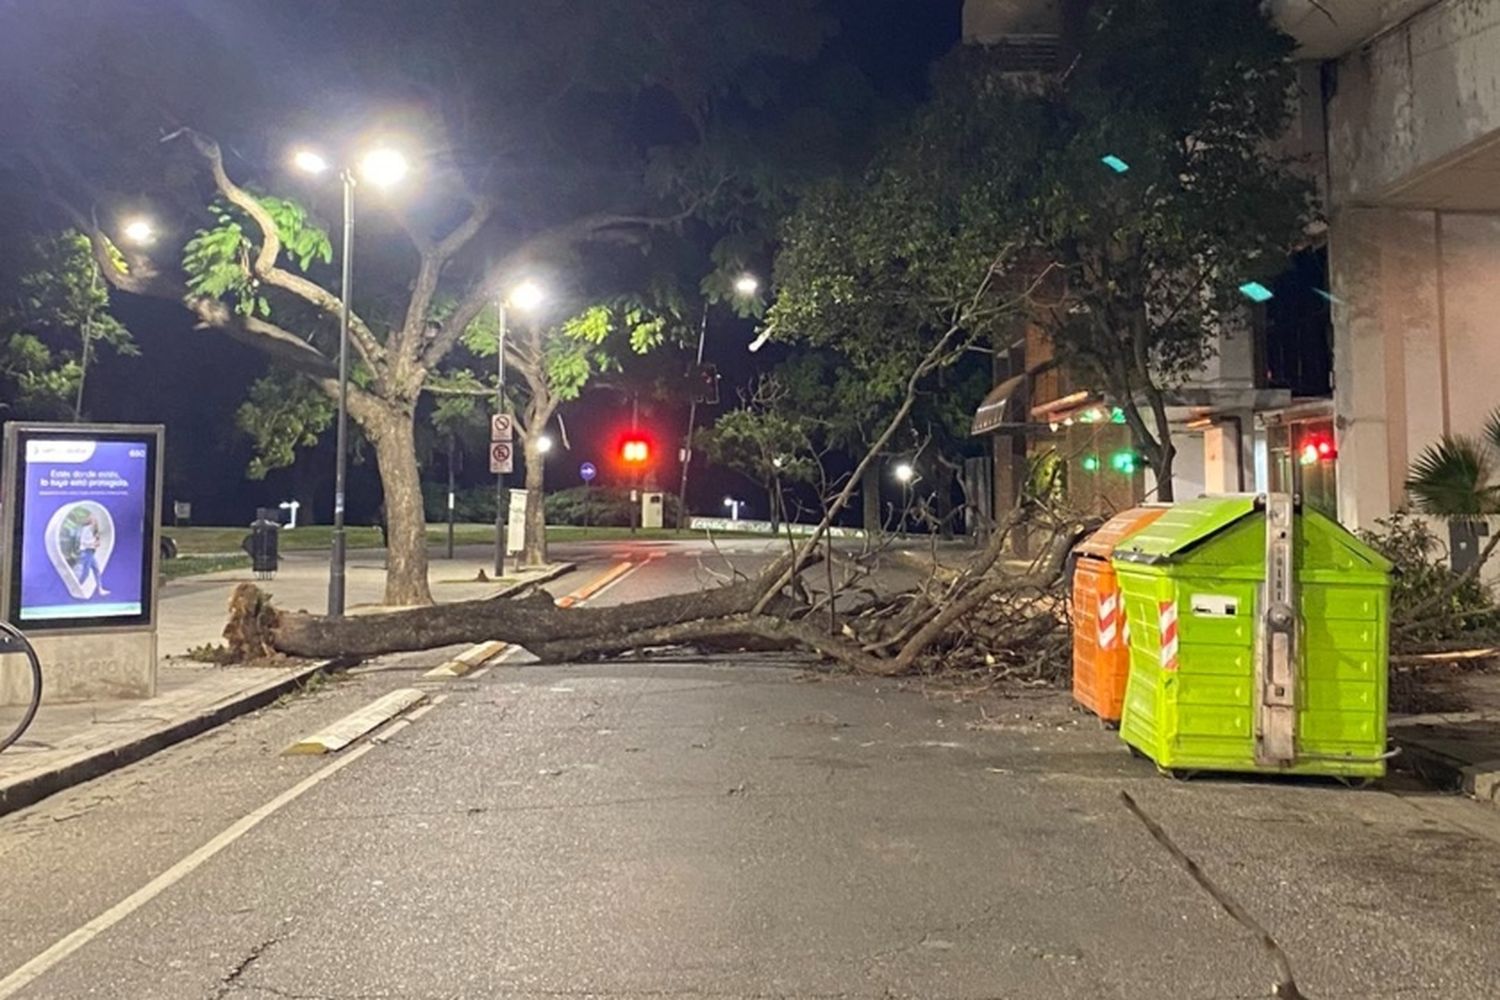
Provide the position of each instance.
(635, 493)
(687, 444)
(501, 513)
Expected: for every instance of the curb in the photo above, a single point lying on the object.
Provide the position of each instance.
(1480, 781)
(30, 788)
(557, 570)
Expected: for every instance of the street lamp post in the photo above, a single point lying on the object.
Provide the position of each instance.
(383, 167)
(527, 295)
(337, 556)
(745, 286)
(904, 475)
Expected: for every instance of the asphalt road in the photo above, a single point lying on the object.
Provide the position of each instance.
(722, 828)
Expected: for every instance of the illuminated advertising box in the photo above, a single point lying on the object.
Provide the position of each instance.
(81, 515)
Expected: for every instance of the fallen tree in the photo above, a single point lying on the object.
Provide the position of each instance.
(986, 613)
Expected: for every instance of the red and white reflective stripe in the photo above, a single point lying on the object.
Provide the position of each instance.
(1167, 618)
(1109, 620)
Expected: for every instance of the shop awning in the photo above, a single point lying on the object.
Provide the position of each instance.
(996, 406)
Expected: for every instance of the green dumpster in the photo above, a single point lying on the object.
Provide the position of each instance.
(1232, 671)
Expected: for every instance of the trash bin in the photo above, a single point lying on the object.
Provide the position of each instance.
(1101, 659)
(263, 543)
(1233, 668)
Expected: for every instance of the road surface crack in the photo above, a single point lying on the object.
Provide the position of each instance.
(234, 978)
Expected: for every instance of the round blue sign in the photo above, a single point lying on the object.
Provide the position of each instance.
(588, 472)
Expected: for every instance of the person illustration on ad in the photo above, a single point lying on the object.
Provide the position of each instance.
(88, 555)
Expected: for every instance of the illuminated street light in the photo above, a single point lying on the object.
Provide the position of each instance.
(139, 231)
(383, 167)
(526, 296)
(544, 444)
(904, 472)
(745, 286)
(309, 162)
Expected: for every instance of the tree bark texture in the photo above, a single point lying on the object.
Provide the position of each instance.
(534, 548)
(535, 623)
(392, 432)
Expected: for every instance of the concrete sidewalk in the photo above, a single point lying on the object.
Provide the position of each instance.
(1457, 750)
(72, 743)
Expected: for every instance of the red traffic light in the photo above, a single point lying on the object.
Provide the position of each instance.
(1318, 448)
(635, 451)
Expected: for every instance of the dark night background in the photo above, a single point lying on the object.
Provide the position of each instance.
(193, 381)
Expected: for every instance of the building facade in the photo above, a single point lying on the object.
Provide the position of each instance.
(1399, 118)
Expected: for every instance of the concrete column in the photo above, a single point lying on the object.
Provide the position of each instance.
(1370, 385)
(1228, 455)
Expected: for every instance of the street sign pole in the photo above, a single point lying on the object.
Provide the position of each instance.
(587, 472)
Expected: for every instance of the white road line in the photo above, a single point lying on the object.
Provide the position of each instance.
(36, 967)
(479, 673)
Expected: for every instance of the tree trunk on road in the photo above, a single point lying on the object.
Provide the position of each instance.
(534, 548)
(390, 429)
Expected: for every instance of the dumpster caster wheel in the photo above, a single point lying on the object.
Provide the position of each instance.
(1357, 783)
(1176, 773)
(1134, 752)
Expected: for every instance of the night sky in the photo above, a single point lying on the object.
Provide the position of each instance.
(193, 381)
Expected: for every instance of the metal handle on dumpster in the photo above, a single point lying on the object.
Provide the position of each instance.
(1276, 651)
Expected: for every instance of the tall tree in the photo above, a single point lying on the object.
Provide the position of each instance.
(54, 324)
(1190, 99)
(578, 104)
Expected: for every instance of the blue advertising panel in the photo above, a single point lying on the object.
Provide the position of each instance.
(84, 532)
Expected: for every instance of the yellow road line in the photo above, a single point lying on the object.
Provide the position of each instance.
(594, 586)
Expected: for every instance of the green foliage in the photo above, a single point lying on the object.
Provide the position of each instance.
(471, 504)
(54, 319)
(218, 260)
(761, 442)
(33, 382)
(1456, 476)
(992, 179)
(599, 505)
(1153, 258)
(284, 412)
(1427, 598)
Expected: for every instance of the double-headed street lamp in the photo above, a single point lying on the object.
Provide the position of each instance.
(526, 296)
(383, 167)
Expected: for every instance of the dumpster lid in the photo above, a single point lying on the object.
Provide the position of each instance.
(1195, 521)
(1185, 525)
(1103, 542)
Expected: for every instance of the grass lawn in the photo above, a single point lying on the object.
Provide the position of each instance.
(189, 565)
(202, 541)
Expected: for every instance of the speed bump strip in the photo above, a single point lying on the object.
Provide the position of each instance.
(351, 727)
(470, 658)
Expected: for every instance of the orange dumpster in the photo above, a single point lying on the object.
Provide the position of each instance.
(1101, 654)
